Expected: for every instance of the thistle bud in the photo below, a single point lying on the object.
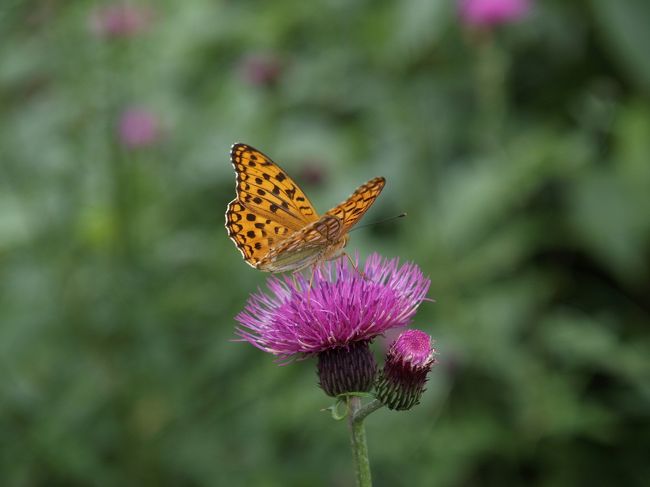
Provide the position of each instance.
(409, 359)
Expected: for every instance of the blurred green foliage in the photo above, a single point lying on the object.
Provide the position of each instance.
(521, 154)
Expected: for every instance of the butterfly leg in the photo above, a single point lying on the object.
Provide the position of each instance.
(354, 266)
(311, 279)
(295, 282)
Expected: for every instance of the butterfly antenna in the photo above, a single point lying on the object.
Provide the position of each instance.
(401, 215)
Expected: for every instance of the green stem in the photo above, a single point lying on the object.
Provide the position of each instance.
(491, 73)
(364, 411)
(356, 415)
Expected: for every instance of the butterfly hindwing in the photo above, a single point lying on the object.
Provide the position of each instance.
(305, 246)
(252, 234)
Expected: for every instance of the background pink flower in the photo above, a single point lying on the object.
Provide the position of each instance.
(260, 69)
(487, 13)
(138, 127)
(120, 20)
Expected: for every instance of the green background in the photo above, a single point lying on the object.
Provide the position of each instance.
(521, 155)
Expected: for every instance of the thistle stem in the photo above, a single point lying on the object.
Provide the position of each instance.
(364, 411)
(356, 415)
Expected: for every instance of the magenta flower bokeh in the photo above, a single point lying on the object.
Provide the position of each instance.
(138, 127)
(341, 308)
(120, 20)
(489, 13)
(260, 69)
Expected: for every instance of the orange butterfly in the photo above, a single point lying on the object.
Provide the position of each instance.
(273, 223)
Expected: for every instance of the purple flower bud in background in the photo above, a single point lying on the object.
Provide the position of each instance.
(138, 127)
(120, 20)
(313, 172)
(336, 318)
(408, 361)
(260, 69)
(489, 13)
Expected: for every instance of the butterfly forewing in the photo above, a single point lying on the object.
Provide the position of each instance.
(269, 205)
(351, 210)
(266, 188)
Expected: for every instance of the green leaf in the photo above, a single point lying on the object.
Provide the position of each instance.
(626, 26)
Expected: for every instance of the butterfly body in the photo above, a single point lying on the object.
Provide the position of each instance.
(273, 223)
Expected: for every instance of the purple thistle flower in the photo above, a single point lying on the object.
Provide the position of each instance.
(408, 361)
(341, 308)
(489, 13)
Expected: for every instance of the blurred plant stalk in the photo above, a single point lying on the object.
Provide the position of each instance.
(491, 73)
